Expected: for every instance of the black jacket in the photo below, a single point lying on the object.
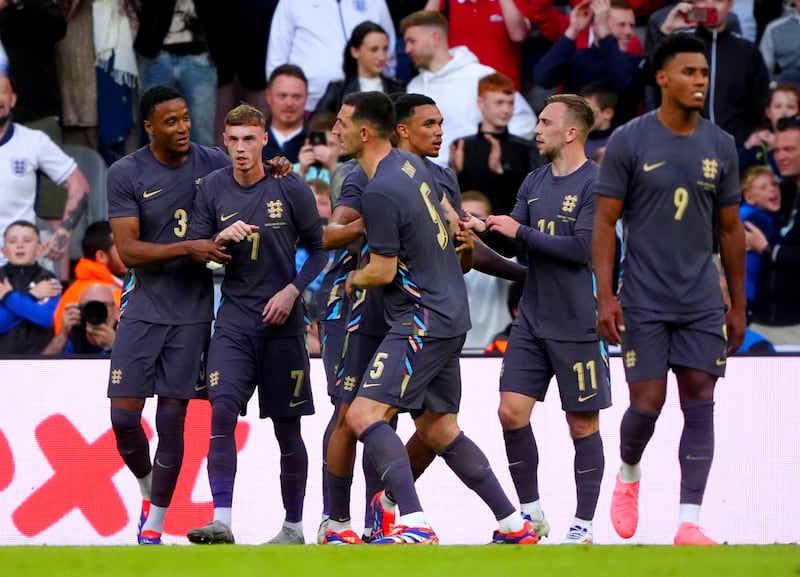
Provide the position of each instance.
(519, 157)
(155, 17)
(337, 90)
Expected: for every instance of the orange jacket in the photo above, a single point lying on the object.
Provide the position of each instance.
(87, 273)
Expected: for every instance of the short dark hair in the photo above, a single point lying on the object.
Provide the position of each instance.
(97, 237)
(603, 91)
(374, 108)
(405, 105)
(23, 223)
(788, 123)
(668, 47)
(288, 70)
(155, 96)
(349, 64)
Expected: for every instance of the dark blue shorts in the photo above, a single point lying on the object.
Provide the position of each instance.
(163, 360)
(415, 373)
(331, 339)
(358, 352)
(580, 368)
(654, 342)
(278, 367)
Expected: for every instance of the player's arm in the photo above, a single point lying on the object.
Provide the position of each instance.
(464, 243)
(732, 255)
(344, 228)
(379, 272)
(609, 313)
(489, 262)
(135, 252)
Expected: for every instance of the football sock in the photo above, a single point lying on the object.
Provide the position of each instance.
(534, 509)
(413, 520)
(339, 526)
(295, 526)
(589, 465)
(630, 473)
(146, 485)
(696, 449)
(294, 466)
(132, 442)
(635, 432)
(689, 513)
(523, 459)
(470, 465)
(170, 418)
(372, 484)
(326, 437)
(339, 497)
(155, 520)
(222, 458)
(387, 454)
(510, 524)
(224, 515)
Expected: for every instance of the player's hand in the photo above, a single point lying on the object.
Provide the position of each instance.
(735, 324)
(102, 335)
(45, 289)
(472, 222)
(495, 154)
(503, 224)
(71, 317)
(205, 251)
(610, 321)
(279, 166)
(57, 245)
(457, 156)
(464, 242)
(352, 292)
(278, 308)
(236, 232)
(754, 239)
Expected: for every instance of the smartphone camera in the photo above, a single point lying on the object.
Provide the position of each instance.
(317, 137)
(701, 16)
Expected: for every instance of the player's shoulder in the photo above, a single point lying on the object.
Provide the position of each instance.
(211, 156)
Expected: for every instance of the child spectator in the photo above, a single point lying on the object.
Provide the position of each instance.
(28, 293)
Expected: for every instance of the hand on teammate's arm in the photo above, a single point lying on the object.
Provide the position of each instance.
(503, 224)
(465, 247)
(279, 166)
(236, 232)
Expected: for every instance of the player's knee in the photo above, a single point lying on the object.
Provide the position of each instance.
(512, 416)
(125, 421)
(583, 424)
(224, 415)
(170, 418)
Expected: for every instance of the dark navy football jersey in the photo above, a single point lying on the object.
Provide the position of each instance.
(556, 214)
(161, 197)
(264, 263)
(672, 186)
(403, 219)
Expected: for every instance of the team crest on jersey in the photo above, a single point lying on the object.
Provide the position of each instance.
(18, 166)
(570, 202)
(409, 169)
(710, 168)
(116, 376)
(630, 358)
(275, 208)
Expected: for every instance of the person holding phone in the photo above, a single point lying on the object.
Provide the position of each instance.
(319, 155)
(739, 81)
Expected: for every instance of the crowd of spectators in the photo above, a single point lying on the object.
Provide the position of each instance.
(71, 72)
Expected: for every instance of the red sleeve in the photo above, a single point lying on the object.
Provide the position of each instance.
(550, 21)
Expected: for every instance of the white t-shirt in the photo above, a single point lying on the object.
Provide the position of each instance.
(23, 152)
(312, 35)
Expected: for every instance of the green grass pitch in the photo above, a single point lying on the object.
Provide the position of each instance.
(444, 561)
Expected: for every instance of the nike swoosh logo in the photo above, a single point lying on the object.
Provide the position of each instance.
(368, 385)
(293, 404)
(582, 472)
(149, 193)
(693, 458)
(163, 466)
(224, 217)
(217, 436)
(530, 200)
(721, 362)
(199, 387)
(586, 398)
(649, 167)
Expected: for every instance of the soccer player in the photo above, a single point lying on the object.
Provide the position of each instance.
(673, 177)
(259, 337)
(555, 333)
(416, 367)
(166, 308)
